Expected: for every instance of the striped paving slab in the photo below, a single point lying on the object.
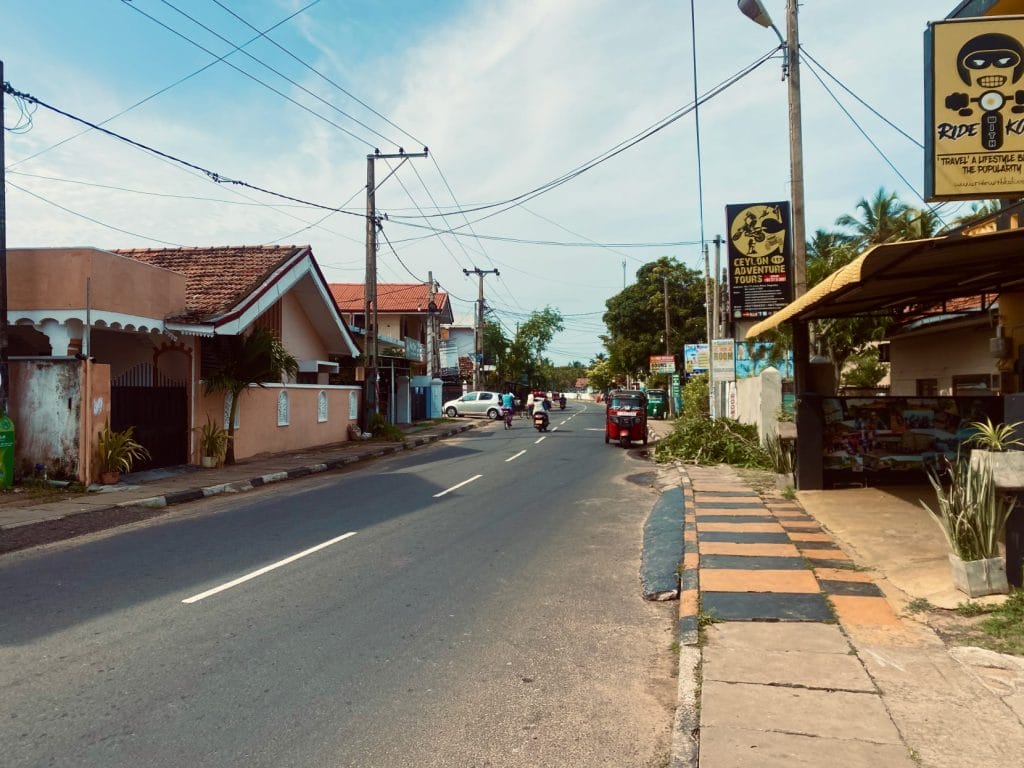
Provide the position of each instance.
(765, 559)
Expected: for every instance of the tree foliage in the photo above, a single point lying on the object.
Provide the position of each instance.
(257, 358)
(523, 354)
(635, 317)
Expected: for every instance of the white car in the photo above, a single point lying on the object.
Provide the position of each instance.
(474, 404)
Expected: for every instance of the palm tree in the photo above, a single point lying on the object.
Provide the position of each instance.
(256, 358)
(826, 252)
(884, 218)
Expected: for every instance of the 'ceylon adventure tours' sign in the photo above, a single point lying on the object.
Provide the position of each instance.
(974, 103)
(760, 255)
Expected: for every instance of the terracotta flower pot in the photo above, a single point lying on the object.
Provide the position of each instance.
(109, 478)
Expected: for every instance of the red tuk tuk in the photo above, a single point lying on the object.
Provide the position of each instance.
(626, 417)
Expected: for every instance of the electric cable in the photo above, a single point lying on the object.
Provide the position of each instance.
(614, 151)
(166, 87)
(867, 106)
(213, 175)
(933, 210)
(320, 74)
(89, 218)
(241, 71)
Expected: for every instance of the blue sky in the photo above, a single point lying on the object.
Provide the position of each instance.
(507, 95)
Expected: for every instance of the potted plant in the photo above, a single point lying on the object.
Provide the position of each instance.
(973, 514)
(994, 445)
(213, 443)
(116, 452)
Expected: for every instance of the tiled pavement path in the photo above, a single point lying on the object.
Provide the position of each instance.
(781, 683)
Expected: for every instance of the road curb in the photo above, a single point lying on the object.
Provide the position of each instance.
(686, 724)
(295, 473)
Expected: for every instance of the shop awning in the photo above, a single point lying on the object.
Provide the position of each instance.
(911, 275)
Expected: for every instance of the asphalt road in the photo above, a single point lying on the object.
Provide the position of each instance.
(475, 603)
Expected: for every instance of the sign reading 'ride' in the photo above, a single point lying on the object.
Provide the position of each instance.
(974, 97)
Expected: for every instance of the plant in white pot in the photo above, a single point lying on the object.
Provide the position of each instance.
(996, 446)
(973, 514)
(213, 443)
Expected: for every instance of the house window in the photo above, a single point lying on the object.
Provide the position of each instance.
(282, 408)
(227, 411)
(972, 384)
(927, 387)
(321, 407)
(359, 321)
(353, 406)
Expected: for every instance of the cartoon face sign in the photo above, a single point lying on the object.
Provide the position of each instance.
(985, 61)
(758, 231)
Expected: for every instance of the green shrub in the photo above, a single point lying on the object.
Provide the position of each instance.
(713, 441)
(380, 428)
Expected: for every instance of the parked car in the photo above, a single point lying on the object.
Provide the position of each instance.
(475, 404)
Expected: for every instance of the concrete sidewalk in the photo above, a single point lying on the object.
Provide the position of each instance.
(805, 657)
(178, 485)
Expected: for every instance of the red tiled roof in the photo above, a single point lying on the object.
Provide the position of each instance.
(218, 278)
(391, 297)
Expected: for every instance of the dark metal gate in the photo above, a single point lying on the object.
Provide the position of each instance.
(157, 407)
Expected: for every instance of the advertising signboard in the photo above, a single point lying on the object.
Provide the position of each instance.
(663, 364)
(723, 359)
(696, 359)
(974, 108)
(760, 257)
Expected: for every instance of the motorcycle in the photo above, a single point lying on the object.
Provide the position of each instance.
(561, 403)
(540, 420)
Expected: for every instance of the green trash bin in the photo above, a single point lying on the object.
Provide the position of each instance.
(6, 452)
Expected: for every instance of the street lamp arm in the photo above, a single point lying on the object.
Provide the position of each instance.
(754, 11)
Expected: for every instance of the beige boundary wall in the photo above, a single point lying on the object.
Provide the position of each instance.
(261, 411)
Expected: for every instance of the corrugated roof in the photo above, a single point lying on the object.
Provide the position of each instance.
(910, 276)
(217, 278)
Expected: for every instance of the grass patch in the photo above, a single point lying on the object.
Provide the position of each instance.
(971, 608)
(1005, 625)
(919, 605)
(789, 493)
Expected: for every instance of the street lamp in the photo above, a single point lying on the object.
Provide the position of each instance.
(754, 10)
(808, 464)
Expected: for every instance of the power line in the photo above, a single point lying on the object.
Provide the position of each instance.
(415, 277)
(166, 88)
(321, 75)
(931, 209)
(867, 106)
(614, 151)
(89, 218)
(251, 76)
(213, 175)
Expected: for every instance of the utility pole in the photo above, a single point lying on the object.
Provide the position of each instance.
(371, 403)
(480, 273)
(668, 346)
(808, 459)
(4, 377)
(431, 331)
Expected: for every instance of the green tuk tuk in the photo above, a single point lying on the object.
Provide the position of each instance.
(657, 403)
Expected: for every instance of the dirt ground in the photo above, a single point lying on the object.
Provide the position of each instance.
(26, 536)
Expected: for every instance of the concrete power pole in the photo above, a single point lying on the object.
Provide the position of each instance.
(371, 404)
(479, 336)
(4, 386)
